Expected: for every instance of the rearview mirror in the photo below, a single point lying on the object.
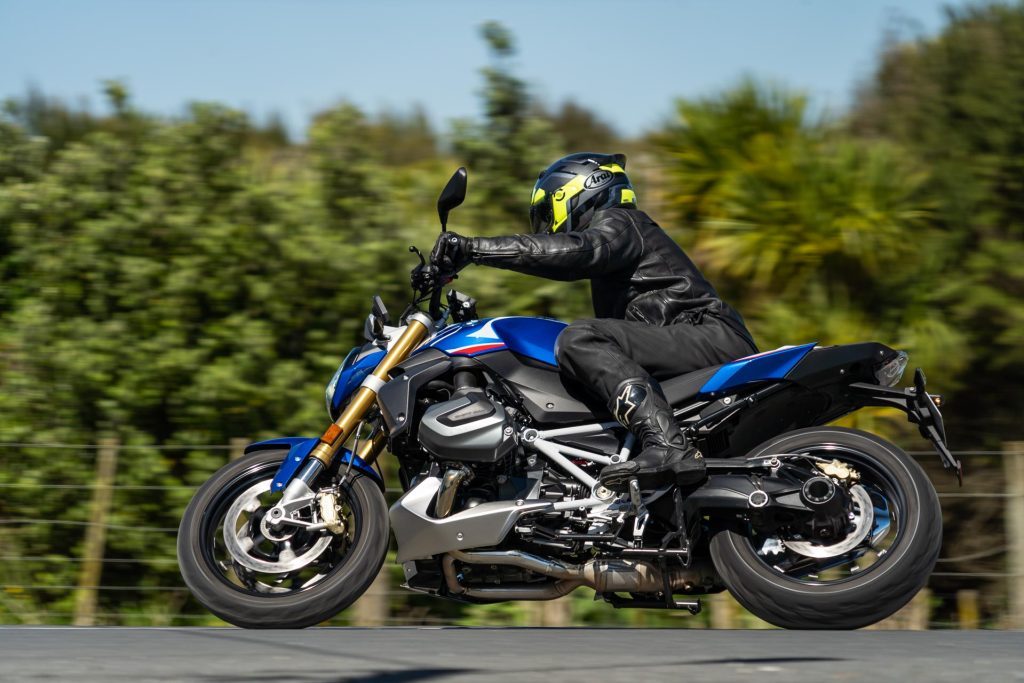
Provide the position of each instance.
(373, 329)
(452, 195)
(380, 310)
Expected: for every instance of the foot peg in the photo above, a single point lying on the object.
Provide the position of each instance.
(692, 606)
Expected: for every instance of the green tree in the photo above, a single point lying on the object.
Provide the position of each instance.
(812, 235)
(511, 145)
(581, 130)
(504, 153)
(404, 138)
(162, 288)
(956, 101)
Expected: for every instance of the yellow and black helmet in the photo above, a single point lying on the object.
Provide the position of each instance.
(570, 190)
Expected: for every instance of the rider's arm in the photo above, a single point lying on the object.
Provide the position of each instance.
(606, 246)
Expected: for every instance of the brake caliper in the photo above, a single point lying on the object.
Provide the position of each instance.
(839, 471)
(329, 511)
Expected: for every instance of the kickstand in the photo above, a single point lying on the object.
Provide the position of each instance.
(679, 534)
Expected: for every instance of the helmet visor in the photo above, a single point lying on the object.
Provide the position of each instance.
(541, 216)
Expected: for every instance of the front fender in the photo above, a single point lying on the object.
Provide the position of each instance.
(299, 448)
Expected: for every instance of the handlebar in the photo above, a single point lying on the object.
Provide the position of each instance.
(428, 280)
(435, 303)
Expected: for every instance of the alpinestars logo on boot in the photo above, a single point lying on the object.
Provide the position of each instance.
(627, 402)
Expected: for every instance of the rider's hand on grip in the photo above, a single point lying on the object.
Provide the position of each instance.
(451, 253)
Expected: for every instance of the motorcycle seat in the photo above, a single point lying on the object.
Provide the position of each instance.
(684, 387)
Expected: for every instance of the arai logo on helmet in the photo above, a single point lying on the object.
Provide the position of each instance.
(597, 179)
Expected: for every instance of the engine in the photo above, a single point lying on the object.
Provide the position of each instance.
(472, 427)
(471, 435)
(476, 470)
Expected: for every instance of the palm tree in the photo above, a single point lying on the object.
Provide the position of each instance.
(813, 235)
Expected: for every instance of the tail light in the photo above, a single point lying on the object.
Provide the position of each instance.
(891, 373)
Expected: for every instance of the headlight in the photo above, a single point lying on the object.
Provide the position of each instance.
(892, 372)
(329, 392)
(333, 384)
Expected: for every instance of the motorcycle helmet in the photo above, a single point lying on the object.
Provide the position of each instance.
(570, 190)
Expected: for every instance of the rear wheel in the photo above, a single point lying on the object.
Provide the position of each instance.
(793, 583)
(253, 576)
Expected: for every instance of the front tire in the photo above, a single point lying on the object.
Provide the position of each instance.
(863, 598)
(224, 587)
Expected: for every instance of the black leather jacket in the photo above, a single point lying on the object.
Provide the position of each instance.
(636, 271)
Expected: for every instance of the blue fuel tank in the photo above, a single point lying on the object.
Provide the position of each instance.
(530, 337)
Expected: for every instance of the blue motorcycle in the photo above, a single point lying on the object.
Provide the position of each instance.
(807, 525)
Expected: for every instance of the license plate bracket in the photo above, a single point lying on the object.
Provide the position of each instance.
(921, 408)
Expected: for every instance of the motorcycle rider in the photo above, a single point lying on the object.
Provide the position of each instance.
(657, 316)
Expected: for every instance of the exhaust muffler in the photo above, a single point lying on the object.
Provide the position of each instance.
(603, 575)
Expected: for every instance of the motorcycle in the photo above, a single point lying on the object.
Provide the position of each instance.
(808, 525)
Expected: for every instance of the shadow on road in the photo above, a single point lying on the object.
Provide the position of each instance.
(409, 670)
(413, 675)
(763, 660)
(406, 676)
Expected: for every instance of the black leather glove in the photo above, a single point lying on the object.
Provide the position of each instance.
(451, 253)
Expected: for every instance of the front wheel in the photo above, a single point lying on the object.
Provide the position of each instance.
(251, 575)
(797, 584)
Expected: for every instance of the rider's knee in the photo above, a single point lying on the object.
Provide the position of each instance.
(573, 341)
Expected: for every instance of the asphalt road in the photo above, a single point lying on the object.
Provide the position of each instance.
(454, 654)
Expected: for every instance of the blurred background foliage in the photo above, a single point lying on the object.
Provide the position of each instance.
(179, 283)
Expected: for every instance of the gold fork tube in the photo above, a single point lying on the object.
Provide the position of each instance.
(371, 448)
(418, 329)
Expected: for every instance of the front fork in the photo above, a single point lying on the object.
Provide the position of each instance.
(299, 491)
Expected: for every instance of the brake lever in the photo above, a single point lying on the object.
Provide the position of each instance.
(423, 276)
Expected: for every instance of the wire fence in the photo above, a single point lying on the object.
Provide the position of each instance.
(1003, 491)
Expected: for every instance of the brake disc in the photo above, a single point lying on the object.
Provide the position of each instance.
(240, 543)
(863, 520)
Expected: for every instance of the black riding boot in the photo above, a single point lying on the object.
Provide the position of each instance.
(665, 456)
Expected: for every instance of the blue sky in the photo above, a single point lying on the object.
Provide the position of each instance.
(625, 59)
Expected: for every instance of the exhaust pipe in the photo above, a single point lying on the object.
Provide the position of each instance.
(604, 576)
(449, 487)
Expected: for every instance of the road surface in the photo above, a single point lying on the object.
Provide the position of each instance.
(212, 655)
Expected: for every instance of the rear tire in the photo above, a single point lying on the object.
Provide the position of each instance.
(299, 609)
(863, 599)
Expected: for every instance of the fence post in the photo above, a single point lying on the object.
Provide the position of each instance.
(1013, 468)
(557, 612)
(722, 610)
(372, 608)
(967, 610)
(914, 616)
(236, 447)
(91, 572)
(919, 611)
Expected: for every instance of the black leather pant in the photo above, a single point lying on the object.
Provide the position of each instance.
(599, 353)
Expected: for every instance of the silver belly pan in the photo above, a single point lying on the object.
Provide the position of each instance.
(421, 536)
